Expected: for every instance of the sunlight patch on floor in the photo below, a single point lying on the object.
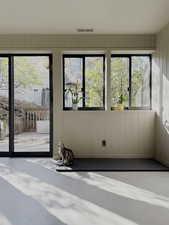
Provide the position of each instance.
(120, 188)
(111, 185)
(67, 207)
(4, 220)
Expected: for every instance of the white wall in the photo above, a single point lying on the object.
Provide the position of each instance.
(128, 133)
(161, 94)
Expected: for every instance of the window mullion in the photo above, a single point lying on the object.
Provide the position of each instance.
(130, 82)
(83, 83)
(150, 58)
(11, 104)
(104, 80)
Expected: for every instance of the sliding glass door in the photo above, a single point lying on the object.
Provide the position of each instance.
(4, 104)
(30, 103)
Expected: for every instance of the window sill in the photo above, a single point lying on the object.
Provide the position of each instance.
(85, 109)
(134, 108)
(103, 109)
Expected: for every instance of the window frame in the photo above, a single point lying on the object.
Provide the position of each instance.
(129, 56)
(83, 56)
(11, 101)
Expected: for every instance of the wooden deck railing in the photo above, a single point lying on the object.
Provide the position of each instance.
(32, 115)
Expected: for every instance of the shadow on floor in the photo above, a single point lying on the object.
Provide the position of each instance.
(92, 196)
(16, 208)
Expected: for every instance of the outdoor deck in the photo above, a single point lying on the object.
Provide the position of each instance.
(27, 142)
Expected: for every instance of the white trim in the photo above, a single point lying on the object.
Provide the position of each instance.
(132, 52)
(128, 42)
(25, 51)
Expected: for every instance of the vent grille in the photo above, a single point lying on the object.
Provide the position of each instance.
(82, 30)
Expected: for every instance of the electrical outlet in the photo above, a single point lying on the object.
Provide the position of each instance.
(103, 143)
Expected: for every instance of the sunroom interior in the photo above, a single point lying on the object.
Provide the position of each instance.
(92, 76)
(130, 70)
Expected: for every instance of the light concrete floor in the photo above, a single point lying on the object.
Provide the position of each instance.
(27, 142)
(33, 193)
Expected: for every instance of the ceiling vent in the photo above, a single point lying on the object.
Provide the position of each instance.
(88, 30)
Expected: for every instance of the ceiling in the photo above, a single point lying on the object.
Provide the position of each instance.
(65, 16)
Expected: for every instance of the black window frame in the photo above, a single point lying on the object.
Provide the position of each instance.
(11, 101)
(83, 56)
(129, 56)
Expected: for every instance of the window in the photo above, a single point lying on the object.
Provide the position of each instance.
(120, 79)
(85, 73)
(140, 81)
(131, 81)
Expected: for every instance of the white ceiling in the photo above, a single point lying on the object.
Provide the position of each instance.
(65, 16)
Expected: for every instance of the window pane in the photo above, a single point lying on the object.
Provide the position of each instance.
(31, 103)
(73, 68)
(4, 107)
(119, 80)
(94, 81)
(140, 81)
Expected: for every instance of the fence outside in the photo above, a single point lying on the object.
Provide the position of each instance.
(33, 115)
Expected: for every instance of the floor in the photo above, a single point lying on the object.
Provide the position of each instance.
(32, 142)
(33, 193)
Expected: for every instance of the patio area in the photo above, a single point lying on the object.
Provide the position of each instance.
(27, 142)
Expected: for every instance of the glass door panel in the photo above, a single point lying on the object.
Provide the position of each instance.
(31, 104)
(4, 105)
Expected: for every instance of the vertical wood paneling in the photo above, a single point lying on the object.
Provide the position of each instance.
(161, 89)
(127, 133)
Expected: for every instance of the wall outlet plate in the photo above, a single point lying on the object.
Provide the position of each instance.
(103, 143)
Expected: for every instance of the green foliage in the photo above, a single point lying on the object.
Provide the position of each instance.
(3, 72)
(94, 82)
(75, 91)
(119, 81)
(122, 99)
(26, 73)
(137, 78)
